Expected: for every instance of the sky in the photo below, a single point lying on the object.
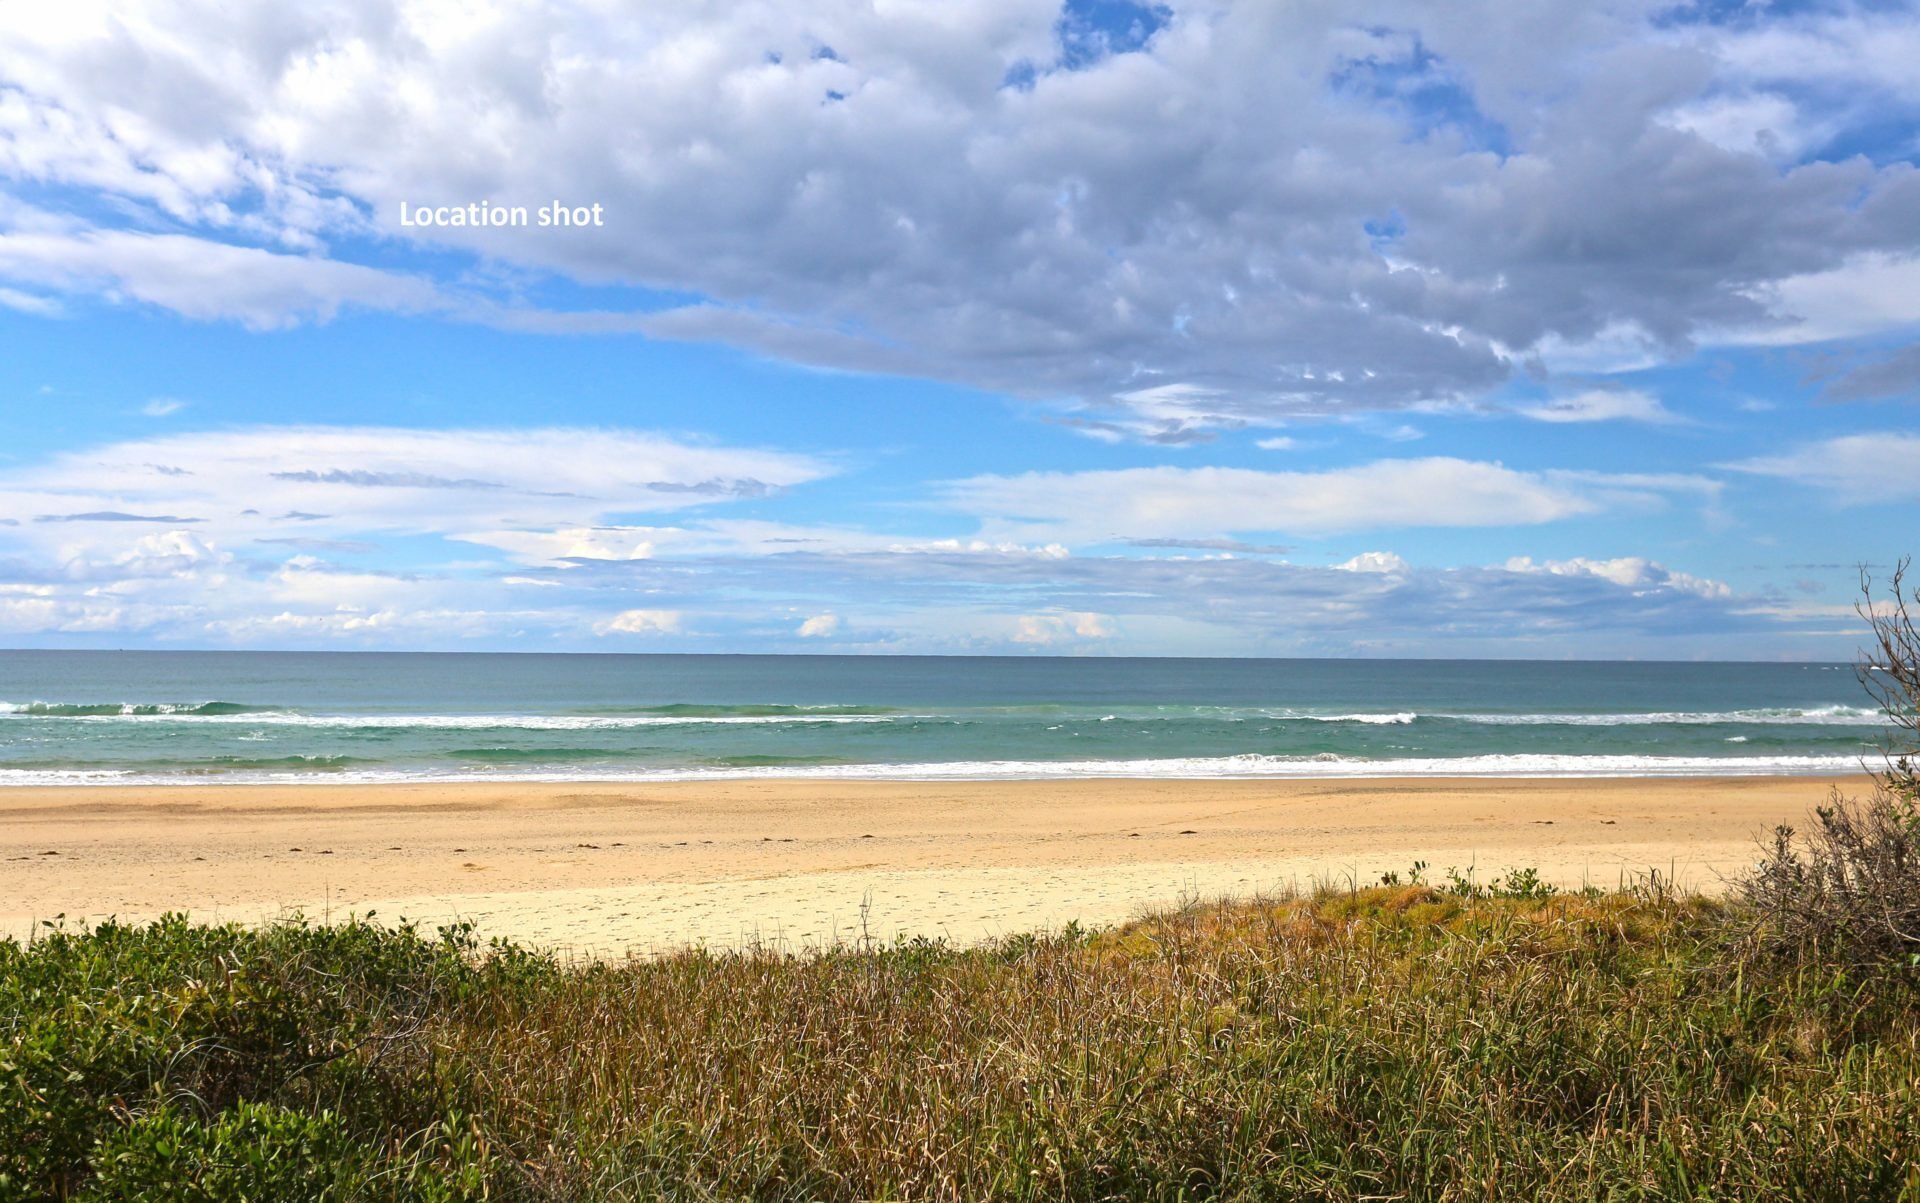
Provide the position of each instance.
(1577, 328)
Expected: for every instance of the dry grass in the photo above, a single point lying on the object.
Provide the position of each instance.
(1402, 1042)
(1391, 1043)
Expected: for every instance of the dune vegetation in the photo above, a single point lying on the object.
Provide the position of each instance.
(1401, 1041)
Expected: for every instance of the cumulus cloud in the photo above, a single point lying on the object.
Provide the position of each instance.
(820, 626)
(1241, 213)
(1629, 572)
(1061, 628)
(1375, 561)
(641, 622)
(173, 553)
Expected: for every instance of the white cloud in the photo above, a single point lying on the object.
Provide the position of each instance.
(1751, 123)
(1603, 405)
(573, 542)
(26, 302)
(171, 553)
(1280, 443)
(226, 533)
(352, 624)
(1061, 628)
(210, 280)
(313, 480)
(820, 626)
(1247, 215)
(1854, 50)
(1866, 295)
(1375, 561)
(725, 536)
(1228, 605)
(162, 407)
(1134, 503)
(641, 622)
(29, 615)
(1858, 469)
(1629, 572)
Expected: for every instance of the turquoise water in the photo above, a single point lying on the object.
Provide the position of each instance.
(82, 717)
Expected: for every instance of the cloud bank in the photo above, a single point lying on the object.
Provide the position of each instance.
(315, 536)
(1176, 218)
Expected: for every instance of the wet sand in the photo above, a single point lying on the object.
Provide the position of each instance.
(600, 869)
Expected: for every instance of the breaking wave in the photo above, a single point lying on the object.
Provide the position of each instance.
(133, 709)
(1192, 768)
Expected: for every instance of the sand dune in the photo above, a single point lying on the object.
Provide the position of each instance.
(600, 869)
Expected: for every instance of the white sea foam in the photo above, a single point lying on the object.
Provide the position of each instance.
(473, 722)
(1187, 768)
(214, 713)
(1837, 716)
(1377, 720)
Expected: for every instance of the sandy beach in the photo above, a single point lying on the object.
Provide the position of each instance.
(603, 869)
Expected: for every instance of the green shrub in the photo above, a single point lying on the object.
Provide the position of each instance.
(252, 1151)
(105, 1030)
(265, 1152)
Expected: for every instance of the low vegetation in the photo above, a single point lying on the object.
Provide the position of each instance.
(1401, 1041)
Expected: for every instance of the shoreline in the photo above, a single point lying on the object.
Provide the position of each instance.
(1242, 767)
(603, 868)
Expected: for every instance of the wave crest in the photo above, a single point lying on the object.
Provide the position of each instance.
(133, 709)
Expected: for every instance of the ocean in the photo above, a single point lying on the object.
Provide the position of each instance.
(154, 717)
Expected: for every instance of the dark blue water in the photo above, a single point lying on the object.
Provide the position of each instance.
(235, 716)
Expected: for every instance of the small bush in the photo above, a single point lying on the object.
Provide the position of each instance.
(1847, 894)
(174, 1034)
(266, 1152)
(254, 1151)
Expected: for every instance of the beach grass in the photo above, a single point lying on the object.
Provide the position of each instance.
(1402, 1041)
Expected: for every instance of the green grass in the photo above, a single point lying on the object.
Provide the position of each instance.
(1400, 1042)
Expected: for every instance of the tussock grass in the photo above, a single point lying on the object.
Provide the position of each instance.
(1399, 1042)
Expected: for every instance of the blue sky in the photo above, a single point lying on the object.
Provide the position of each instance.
(1583, 330)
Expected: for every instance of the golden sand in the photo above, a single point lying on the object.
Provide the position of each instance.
(600, 869)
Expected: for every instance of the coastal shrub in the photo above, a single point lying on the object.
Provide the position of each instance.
(1890, 670)
(253, 1151)
(118, 1030)
(271, 1153)
(1846, 893)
